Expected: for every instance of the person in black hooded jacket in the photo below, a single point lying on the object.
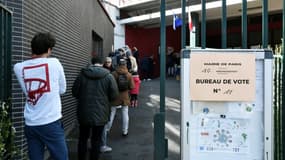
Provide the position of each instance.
(95, 88)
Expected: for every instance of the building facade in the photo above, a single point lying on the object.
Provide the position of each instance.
(112, 7)
(80, 28)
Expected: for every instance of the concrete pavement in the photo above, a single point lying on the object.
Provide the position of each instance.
(138, 145)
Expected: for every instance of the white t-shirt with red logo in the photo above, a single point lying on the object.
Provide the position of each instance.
(42, 80)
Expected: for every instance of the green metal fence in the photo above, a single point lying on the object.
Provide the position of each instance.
(279, 77)
(5, 53)
(277, 103)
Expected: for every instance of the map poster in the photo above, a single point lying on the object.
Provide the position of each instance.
(223, 135)
(222, 77)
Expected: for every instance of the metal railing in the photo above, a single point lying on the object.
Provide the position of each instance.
(277, 102)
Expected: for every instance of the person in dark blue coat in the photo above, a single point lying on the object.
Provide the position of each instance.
(147, 64)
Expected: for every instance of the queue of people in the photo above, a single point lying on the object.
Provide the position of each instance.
(100, 89)
(103, 87)
(125, 72)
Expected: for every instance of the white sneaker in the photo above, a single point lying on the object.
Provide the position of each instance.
(125, 133)
(105, 149)
(148, 79)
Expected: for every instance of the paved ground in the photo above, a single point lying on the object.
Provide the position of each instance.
(138, 145)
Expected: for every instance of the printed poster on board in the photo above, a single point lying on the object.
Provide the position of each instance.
(222, 77)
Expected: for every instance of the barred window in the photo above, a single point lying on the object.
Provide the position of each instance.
(5, 53)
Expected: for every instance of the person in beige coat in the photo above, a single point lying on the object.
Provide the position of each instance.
(134, 65)
(122, 101)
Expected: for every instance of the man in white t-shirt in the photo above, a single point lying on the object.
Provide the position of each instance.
(42, 80)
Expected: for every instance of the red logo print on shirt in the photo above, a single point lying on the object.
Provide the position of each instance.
(36, 79)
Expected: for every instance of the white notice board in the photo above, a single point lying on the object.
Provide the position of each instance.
(233, 127)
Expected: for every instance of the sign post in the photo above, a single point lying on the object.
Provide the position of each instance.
(226, 99)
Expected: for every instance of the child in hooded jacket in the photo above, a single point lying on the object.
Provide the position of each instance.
(135, 91)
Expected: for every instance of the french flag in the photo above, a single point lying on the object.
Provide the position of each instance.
(190, 24)
(177, 22)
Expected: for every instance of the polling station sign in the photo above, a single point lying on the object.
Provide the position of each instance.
(222, 77)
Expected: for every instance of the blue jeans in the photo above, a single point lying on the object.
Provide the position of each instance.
(50, 135)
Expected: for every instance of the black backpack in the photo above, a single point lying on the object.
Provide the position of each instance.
(123, 83)
(129, 64)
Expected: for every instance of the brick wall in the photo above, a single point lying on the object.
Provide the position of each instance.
(72, 22)
(17, 52)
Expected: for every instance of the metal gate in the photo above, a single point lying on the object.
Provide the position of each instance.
(5, 53)
(277, 103)
(279, 76)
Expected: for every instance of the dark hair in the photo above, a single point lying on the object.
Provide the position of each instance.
(121, 50)
(97, 59)
(41, 42)
(111, 54)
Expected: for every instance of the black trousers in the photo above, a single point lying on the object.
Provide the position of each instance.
(134, 97)
(84, 134)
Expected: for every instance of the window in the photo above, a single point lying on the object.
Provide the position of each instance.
(97, 44)
(5, 54)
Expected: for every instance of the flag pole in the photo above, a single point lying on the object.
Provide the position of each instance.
(192, 30)
(183, 29)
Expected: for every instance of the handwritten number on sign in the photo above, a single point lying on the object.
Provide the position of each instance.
(228, 91)
(206, 70)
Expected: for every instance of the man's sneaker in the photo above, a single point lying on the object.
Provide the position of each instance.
(105, 149)
(125, 134)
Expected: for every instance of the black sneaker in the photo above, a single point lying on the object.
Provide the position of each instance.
(125, 134)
